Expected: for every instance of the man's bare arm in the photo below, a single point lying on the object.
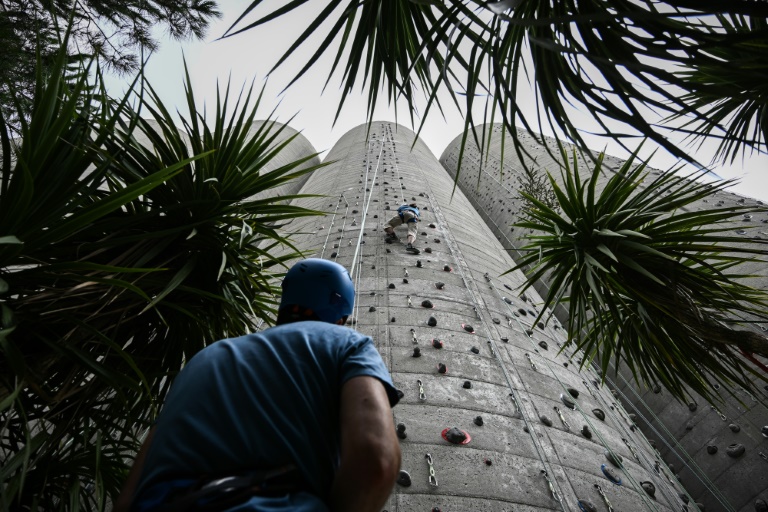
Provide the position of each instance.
(124, 501)
(370, 452)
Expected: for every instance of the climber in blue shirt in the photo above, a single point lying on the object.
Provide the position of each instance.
(409, 215)
(296, 417)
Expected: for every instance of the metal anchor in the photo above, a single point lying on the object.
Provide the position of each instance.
(722, 416)
(631, 449)
(533, 365)
(410, 304)
(432, 476)
(605, 498)
(422, 395)
(562, 418)
(551, 487)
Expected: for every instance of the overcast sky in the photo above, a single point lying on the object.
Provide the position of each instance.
(248, 57)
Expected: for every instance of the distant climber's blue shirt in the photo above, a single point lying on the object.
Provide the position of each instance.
(409, 208)
(262, 401)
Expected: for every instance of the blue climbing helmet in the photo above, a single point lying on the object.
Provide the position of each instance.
(323, 286)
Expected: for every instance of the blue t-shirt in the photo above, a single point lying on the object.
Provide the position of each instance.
(262, 401)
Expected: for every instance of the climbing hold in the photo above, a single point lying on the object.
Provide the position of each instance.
(761, 506)
(522, 311)
(545, 420)
(610, 474)
(524, 298)
(689, 426)
(437, 343)
(734, 427)
(404, 478)
(543, 344)
(468, 328)
(428, 249)
(335, 246)
(656, 389)
(692, 406)
(649, 488)
(435, 509)
(573, 392)
(432, 226)
(586, 506)
(507, 287)
(456, 436)
(391, 286)
(423, 233)
(401, 431)
(416, 352)
(613, 457)
(711, 449)
(505, 340)
(529, 332)
(479, 421)
(475, 350)
(541, 325)
(405, 281)
(764, 431)
(599, 414)
(418, 263)
(488, 462)
(392, 319)
(632, 416)
(426, 304)
(446, 268)
(388, 251)
(441, 368)
(439, 285)
(372, 309)
(586, 432)
(333, 254)
(467, 385)
(567, 401)
(735, 450)
(437, 240)
(432, 321)
(496, 321)
(683, 497)
(525, 429)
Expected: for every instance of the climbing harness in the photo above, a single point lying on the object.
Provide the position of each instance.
(422, 395)
(432, 475)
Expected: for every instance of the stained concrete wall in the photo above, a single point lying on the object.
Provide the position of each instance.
(500, 367)
(715, 479)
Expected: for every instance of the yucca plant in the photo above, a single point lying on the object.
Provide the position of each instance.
(119, 260)
(649, 282)
(635, 67)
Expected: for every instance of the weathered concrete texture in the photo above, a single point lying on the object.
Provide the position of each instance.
(489, 344)
(492, 189)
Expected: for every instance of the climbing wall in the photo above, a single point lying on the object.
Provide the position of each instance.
(719, 454)
(491, 418)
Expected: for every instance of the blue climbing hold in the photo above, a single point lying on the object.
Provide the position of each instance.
(610, 475)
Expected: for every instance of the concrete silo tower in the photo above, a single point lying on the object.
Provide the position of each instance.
(720, 454)
(463, 349)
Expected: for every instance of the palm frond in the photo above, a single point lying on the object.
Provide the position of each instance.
(648, 282)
